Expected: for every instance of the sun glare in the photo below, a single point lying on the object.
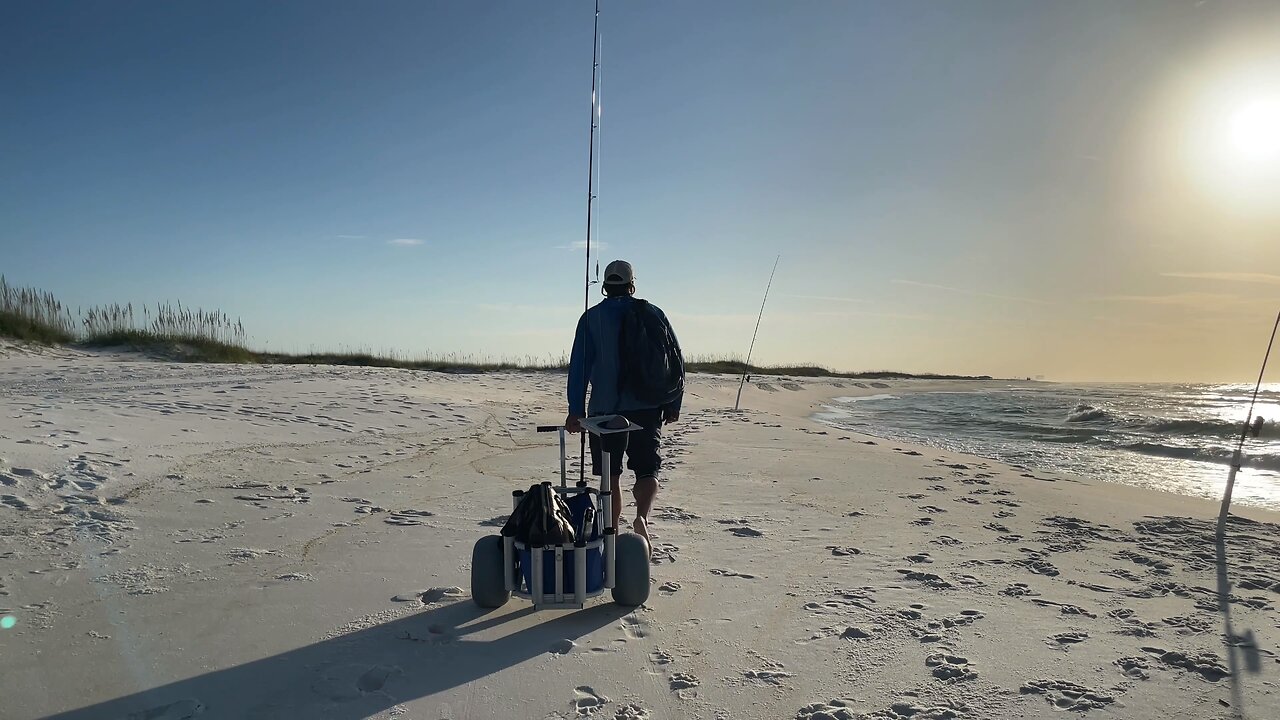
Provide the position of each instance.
(1252, 133)
(1235, 144)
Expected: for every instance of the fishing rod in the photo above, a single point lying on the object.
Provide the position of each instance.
(1252, 426)
(591, 196)
(747, 365)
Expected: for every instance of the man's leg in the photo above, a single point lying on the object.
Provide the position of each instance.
(645, 490)
(645, 459)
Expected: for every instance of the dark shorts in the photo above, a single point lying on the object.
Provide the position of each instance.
(641, 446)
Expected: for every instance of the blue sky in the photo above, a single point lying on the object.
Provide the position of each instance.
(965, 187)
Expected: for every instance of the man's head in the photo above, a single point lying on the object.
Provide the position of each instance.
(619, 279)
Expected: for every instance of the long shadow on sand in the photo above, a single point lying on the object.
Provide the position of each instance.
(357, 675)
(1239, 647)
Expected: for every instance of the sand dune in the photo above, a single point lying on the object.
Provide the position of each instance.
(223, 541)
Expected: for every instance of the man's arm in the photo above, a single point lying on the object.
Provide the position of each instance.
(671, 412)
(581, 359)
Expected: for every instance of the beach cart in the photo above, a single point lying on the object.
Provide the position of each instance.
(565, 576)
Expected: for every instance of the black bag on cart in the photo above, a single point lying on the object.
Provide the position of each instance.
(541, 518)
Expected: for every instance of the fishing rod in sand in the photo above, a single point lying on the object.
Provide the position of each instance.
(1252, 426)
(747, 365)
(591, 196)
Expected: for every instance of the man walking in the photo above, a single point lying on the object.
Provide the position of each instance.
(626, 350)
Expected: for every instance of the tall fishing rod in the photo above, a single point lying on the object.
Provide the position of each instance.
(747, 365)
(1252, 426)
(591, 196)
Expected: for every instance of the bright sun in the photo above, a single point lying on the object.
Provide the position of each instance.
(1252, 133)
(1235, 138)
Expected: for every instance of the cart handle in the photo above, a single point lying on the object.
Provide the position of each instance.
(550, 428)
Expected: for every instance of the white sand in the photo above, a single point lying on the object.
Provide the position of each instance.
(223, 541)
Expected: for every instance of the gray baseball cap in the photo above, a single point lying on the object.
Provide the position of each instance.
(619, 272)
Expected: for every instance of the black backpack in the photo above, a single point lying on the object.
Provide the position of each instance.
(651, 367)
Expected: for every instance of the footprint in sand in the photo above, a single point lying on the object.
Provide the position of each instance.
(1066, 695)
(1018, 590)
(676, 515)
(683, 681)
(631, 711)
(746, 532)
(854, 633)
(843, 551)
(15, 502)
(634, 628)
(669, 588)
(407, 517)
(341, 687)
(723, 572)
(660, 657)
(1064, 608)
(1189, 625)
(831, 710)
(1063, 639)
(774, 677)
(587, 701)
(663, 553)
(950, 668)
(1207, 665)
(1134, 667)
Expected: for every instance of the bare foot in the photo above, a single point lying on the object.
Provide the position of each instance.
(642, 529)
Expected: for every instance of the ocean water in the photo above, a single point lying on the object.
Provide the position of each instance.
(1176, 438)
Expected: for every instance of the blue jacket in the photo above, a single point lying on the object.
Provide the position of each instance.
(595, 360)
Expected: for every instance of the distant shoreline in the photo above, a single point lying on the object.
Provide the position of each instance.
(197, 350)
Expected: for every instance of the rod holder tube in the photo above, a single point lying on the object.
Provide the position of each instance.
(508, 563)
(580, 572)
(610, 537)
(564, 480)
(606, 488)
(535, 555)
(559, 573)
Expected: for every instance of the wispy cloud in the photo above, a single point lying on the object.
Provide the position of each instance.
(972, 293)
(581, 245)
(352, 237)
(1189, 299)
(1234, 277)
(405, 242)
(825, 298)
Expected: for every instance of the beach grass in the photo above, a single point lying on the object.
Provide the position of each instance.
(176, 332)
